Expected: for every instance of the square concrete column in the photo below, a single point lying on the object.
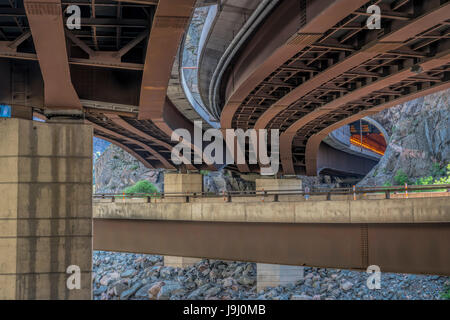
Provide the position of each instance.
(179, 262)
(278, 184)
(46, 210)
(272, 275)
(177, 183)
(183, 182)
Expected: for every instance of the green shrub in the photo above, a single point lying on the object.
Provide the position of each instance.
(437, 171)
(134, 167)
(204, 172)
(401, 177)
(446, 294)
(142, 186)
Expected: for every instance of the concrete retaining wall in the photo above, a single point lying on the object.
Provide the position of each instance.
(335, 211)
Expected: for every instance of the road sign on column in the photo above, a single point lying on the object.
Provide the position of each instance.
(5, 111)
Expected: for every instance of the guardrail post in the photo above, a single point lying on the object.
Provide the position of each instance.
(328, 196)
(187, 199)
(113, 199)
(149, 199)
(228, 197)
(275, 198)
(388, 194)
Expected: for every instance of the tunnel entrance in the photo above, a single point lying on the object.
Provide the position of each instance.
(365, 135)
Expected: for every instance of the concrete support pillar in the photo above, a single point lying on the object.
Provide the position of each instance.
(272, 275)
(278, 184)
(46, 210)
(179, 262)
(183, 182)
(175, 183)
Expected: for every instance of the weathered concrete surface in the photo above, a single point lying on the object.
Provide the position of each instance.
(179, 262)
(278, 184)
(436, 209)
(173, 183)
(46, 209)
(272, 275)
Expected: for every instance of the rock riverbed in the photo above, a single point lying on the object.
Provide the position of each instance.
(142, 277)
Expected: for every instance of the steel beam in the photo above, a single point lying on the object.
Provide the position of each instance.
(46, 24)
(124, 147)
(169, 23)
(288, 136)
(312, 146)
(157, 155)
(389, 42)
(405, 248)
(324, 15)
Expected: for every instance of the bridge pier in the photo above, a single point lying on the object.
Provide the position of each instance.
(272, 275)
(46, 210)
(175, 183)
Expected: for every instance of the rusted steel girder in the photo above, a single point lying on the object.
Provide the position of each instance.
(391, 41)
(165, 163)
(145, 162)
(313, 144)
(291, 38)
(169, 24)
(397, 247)
(120, 122)
(287, 137)
(46, 24)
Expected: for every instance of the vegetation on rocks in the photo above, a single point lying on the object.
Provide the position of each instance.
(143, 186)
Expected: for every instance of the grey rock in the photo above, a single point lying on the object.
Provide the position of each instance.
(170, 288)
(128, 293)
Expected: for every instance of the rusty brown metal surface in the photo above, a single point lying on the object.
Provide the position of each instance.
(46, 23)
(171, 19)
(298, 62)
(294, 95)
(154, 155)
(408, 248)
(312, 147)
(101, 135)
(287, 41)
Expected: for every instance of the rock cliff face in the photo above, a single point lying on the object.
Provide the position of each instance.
(420, 138)
(116, 169)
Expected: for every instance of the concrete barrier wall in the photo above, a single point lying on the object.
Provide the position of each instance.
(335, 211)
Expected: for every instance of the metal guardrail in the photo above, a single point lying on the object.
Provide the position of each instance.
(228, 195)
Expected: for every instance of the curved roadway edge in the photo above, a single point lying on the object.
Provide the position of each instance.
(228, 22)
(179, 93)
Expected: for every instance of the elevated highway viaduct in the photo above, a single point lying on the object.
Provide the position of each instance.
(305, 68)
